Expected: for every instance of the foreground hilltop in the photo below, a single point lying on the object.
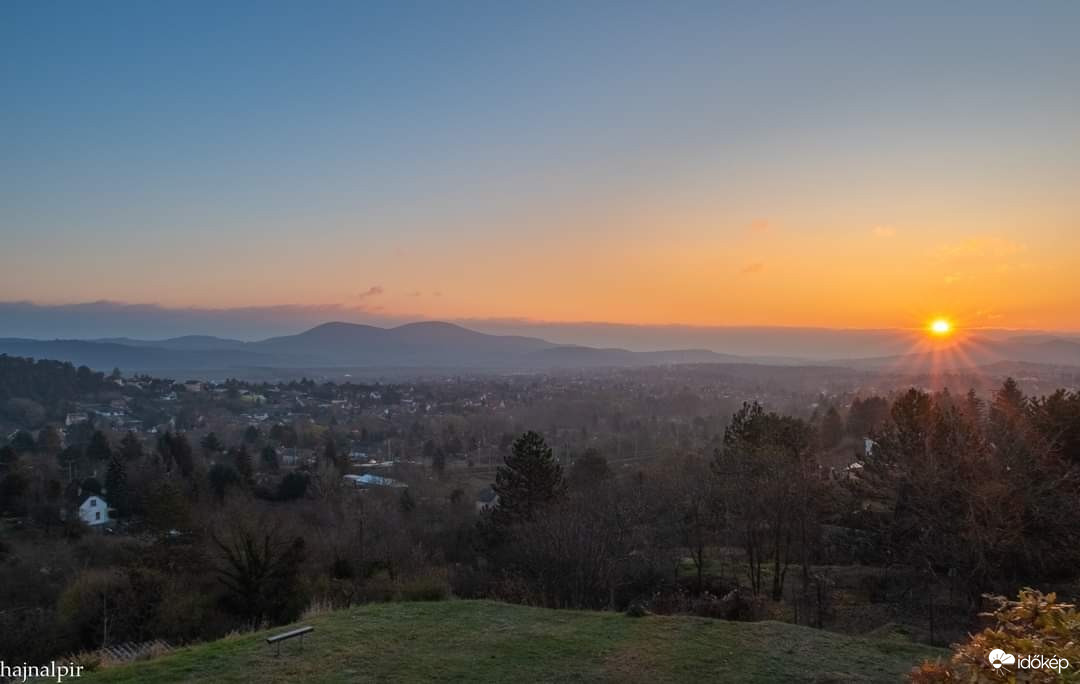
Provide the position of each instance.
(494, 642)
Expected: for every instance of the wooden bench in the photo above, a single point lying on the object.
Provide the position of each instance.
(285, 636)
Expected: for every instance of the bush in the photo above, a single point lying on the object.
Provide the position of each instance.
(432, 586)
(1036, 624)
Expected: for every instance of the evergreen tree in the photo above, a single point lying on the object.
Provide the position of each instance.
(8, 458)
(116, 489)
(175, 450)
(23, 442)
(211, 445)
(222, 478)
(528, 480)
(832, 428)
(130, 447)
(98, 449)
(251, 435)
(406, 502)
(270, 458)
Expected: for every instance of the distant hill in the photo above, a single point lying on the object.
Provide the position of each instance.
(437, 345)
(187, 342)
(976, 351)
(483, 641)
(415, 344)
(427, 345)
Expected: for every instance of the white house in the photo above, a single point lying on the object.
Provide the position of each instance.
(94, 511)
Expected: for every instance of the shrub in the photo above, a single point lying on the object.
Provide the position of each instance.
(1036, 624)
(432, 586)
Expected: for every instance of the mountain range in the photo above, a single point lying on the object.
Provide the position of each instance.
(426, 345)
(438, 345)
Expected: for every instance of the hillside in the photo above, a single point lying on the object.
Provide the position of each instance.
(487, 641)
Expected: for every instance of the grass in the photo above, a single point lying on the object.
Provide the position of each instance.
(493, 642)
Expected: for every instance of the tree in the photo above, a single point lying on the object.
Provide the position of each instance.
(211, 445)
(832, 428)
(242, 460)
(23, 442)
(285, 435)
(251, 435)
(293, 486)
(260, 569)
(1035, 624)
(332, 456)
(116, 484)
(269, 457)
(69, 460)
(528, 480)
(49, 440)
(768, 481)
(222, 478)
(166, 507)
(589, 470)
(131, 447)
(8, 458)
(1057, 419)
(867, 416)
(981, 503)
(13, 487)
(406, 502)
(438, 461)
(98, 448)
(175, 451)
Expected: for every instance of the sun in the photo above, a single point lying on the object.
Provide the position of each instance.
(941, 327)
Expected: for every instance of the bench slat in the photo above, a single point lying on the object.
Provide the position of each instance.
(289, 635)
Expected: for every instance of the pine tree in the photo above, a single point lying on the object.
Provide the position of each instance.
(211, 444)
(528, 480)
(832, 428)
(116, 489)
(98, 449)
(270, 458)
(130, 447)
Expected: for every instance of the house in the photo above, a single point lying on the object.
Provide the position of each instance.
(94, 511)
(75, 418)
(486, 500)
(368, 480)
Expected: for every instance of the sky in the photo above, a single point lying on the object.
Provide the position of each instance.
(829, 164)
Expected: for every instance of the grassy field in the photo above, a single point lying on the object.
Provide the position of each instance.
(495, 642)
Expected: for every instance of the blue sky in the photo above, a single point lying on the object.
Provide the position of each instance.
(233, 154)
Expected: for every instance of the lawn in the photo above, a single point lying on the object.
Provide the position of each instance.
(496, 642)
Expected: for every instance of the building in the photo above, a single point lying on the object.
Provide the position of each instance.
(94, 511)
(368, 480)
(75, 418)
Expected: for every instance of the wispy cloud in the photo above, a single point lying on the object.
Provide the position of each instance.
(979, 247)
(759, 226)
(754, 268)
(373, 291)
(884, 232)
